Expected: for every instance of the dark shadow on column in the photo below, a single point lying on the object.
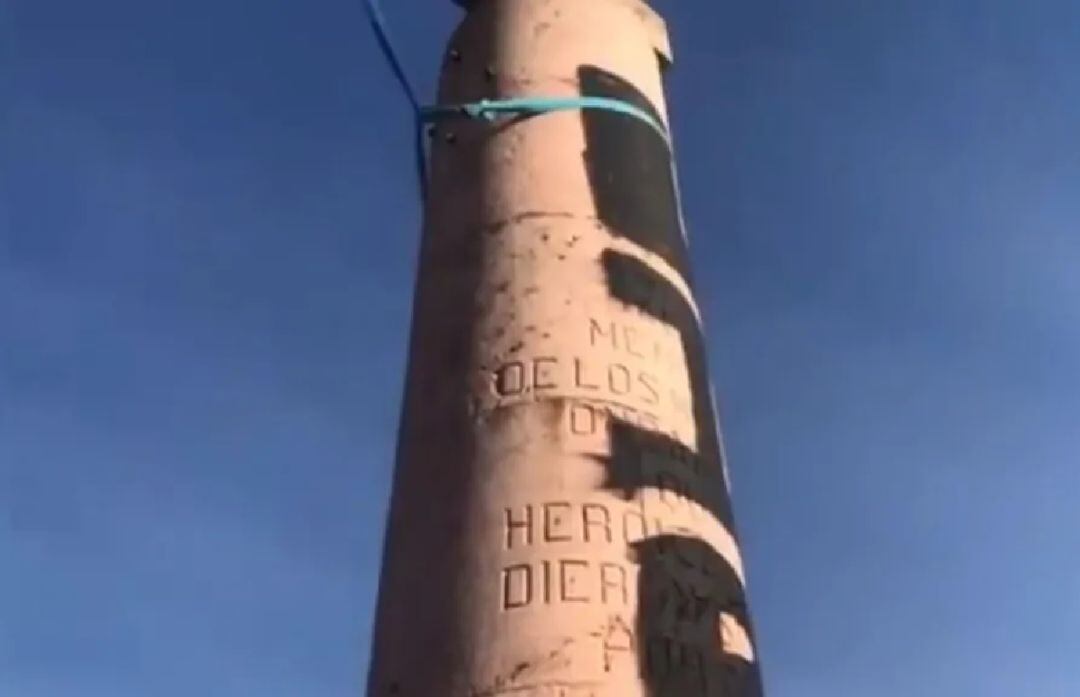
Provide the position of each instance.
(691, 608)
(634, 283)
(629, 169)
(437, 440)
(688, 594)
(691, 605)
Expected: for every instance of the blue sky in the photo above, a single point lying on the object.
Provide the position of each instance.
(207, 229)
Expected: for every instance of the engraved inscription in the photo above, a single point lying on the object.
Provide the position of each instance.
(544, 373)
(520, 525)
(562, 521)
(617, 640)
(683, 530)
(657, 344)
(596, 522)
(517, 586)
(557, 521)
(572, 581)
(565, 581)
(510, 379)
(604, 379)
(613, 580)
(588, 419)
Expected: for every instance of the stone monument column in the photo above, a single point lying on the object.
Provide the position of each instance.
(560, 523)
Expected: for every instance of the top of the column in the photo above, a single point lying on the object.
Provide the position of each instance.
(656, 24)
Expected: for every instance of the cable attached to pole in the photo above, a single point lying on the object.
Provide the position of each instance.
(485, 109)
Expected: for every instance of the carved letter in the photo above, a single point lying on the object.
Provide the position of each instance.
(510, 379)
(542, 378)
(648, 383)
(596, 330)
(556, 516)
(582, 420)
(568, 581)
(618, 379)
(579, 377)
(596, 515)
(613, 578)
(526, 526)
(517, 586)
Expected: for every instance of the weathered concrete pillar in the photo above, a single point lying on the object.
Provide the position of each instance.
(560, 523)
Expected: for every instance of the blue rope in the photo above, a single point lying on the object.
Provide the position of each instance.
(489, 110)
(485, 109)
(378, 24)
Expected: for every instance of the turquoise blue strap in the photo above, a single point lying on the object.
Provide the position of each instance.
(486, 109)
(489, 110)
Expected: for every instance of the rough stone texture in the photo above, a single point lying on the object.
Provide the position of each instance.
(560, 523)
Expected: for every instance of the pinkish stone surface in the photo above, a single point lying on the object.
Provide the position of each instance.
(560, 522)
